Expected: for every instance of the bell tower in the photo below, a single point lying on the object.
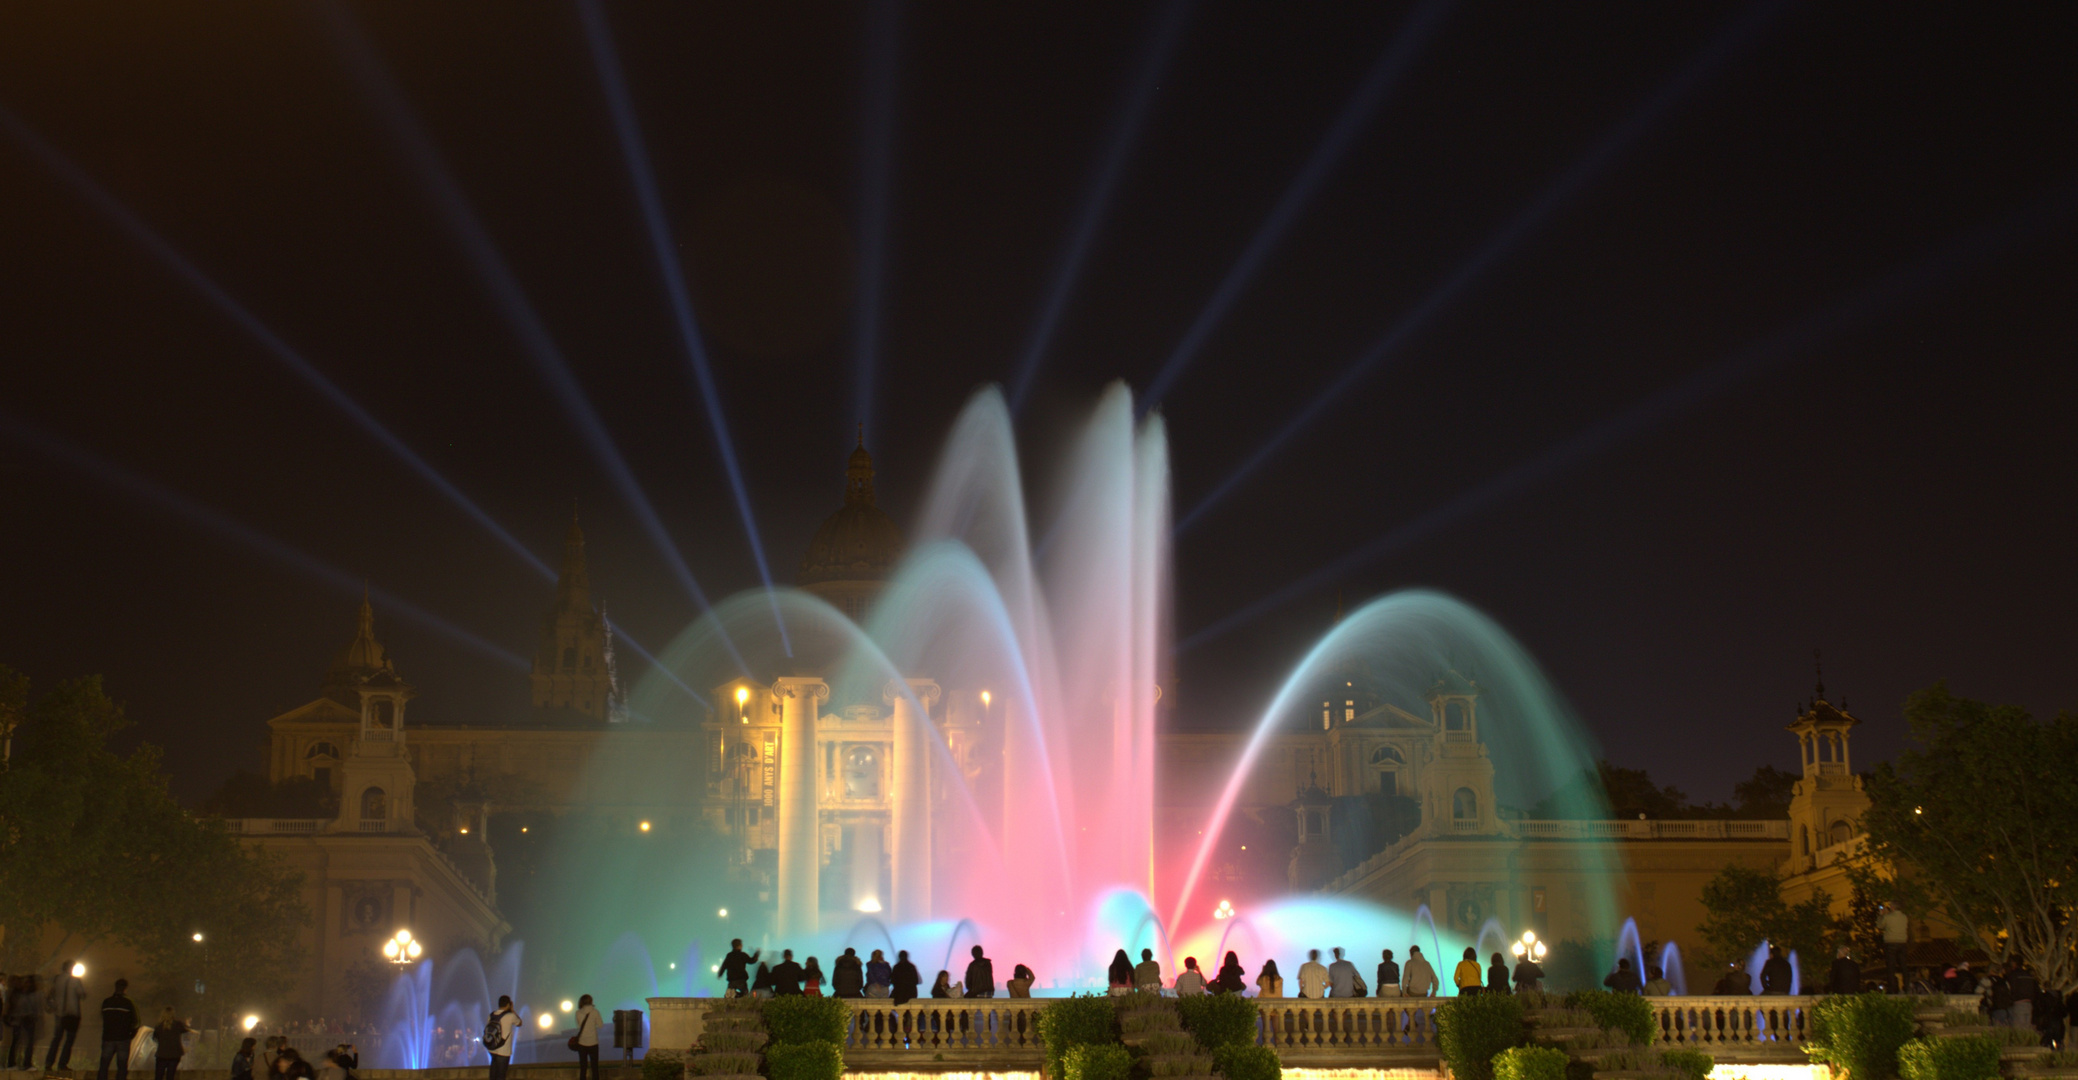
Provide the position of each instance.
(1825, 807)
(376, 779)
(1458, 785)
(573, 664)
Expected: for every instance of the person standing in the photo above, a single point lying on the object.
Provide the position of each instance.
(1529, 975)
(1467, 974)
(118, 1027)
(1313, 977)
(242, 1061)
(1388, 974)
(2020, 987)
(64, 999)
(1776, 974)
(904, 979)
(1341, 977)
(786, 977)
(167, 1034)
(24, 1010)
(736, 968)
(1147, 975)
(507, 1023)
(1846, 975)
(587, 1037)
(1497, 975)
(1623, 980)
(1417, 979)
(981, 975)
(1897, 931)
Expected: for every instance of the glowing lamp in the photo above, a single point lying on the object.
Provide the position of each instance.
(1225, 910)
(251, 1022)
(567, 1006)
(79, 971)
(198, 935)
(644, 826)
(870, 905)
(391, 949)
(984, 699)
(547, 1021)
(724, 913)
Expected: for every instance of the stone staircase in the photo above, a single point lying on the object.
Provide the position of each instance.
(732, 1043)
(1150, 1024)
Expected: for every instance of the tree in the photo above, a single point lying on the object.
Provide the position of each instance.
(93, 846)
(1746, 908)
(1980, 820)
(1766, 794)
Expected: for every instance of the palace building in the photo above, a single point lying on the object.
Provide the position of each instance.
(830, 811)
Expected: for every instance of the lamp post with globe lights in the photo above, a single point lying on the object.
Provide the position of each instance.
(402, 949)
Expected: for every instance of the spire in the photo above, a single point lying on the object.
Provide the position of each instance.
(858, 474)
(362, 657)
(1819, 667)
(574, 581)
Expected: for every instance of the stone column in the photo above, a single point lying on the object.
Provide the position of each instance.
(800, 846)
(912, 802)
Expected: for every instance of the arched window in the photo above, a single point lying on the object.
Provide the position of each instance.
(861, 773)
(1842, 832)
(385, 712)
(1464, 805)
(1454, 715)
(375, 806)
(321, 750)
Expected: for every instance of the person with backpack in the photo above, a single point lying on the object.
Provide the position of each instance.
(586, 1041)
(497, 1037)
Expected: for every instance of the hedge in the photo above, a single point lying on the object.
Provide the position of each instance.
(798, 1018)
(1470, 1031)
(1239, 1061)
(1069, 1022)
(1627, 1013)
(1093, 1061)
(1218, 1020)
(1530, 1063)
(1957, 1057)
(1859, 1034)
(812, 1060)
(662, 1068)
(1695, 1064)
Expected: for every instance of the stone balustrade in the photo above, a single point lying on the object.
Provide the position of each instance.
(1737, 1026)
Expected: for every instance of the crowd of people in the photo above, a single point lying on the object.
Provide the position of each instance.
(850, 976)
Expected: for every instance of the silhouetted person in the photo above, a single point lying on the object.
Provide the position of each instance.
(1233, 979)
(848, 976)
(1497, 975)
(1269, 983)
(167, 1036)
(67, 998)
(1846, 975)
(880, 976)
(761, 986)
(1341, 977)
(812, 979)
(118, 1027)
(1417, 979)
(1147, 975)
(941, 987)
(1191, 982)
(1656, 982)
(1313, 976)
(24, 1010)
(1623, 980)
(1388, 974)
(786, 977)
(904, 978)
(1776, 974)
(1021, 980)
(587, 1038)
(736, 968)
(1120, 974)
(1467, 974)
(1735, 981)
(1529, 975)
(981, 975)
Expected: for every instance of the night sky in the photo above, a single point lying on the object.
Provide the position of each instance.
(1725, 333)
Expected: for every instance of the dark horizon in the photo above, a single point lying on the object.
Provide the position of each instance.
(1708, 358)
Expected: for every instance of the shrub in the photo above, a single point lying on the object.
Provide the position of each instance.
(1962, 1018)
(731, 1064)
(1069, 1022)
(662, 1068)
(1530, 1063)
(1565, 1018)
(798, 1018)
(1628, 1014)
(1219, 1019)
(1695, 1064)
(1168, 1043)
(1093, 1061)
(1963, 1057)
(2015, 1036)
(723, 1042)
(2059, 1059)
(1471, 1030)
(1859, 1034)
(1237, 1061)
(815, 1059)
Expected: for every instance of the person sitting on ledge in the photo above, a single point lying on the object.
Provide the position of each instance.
(1467, 974)
(848, 976)
(1021, 980)
(1656, 983)
(1120, 974)
(1148, 974)
(1623, 980)
(981, 976)
(786, 978)
(1192, 982)
(1233, 979)
(904, 978)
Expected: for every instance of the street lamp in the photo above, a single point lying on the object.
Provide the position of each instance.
(198, 937)
(79, 971)
(1528, 947)
(402, 949)
(984, 699)
(1225, 910)
(251, 1022)
(742, 695)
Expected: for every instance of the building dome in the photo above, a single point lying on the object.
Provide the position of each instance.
(855, 548)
